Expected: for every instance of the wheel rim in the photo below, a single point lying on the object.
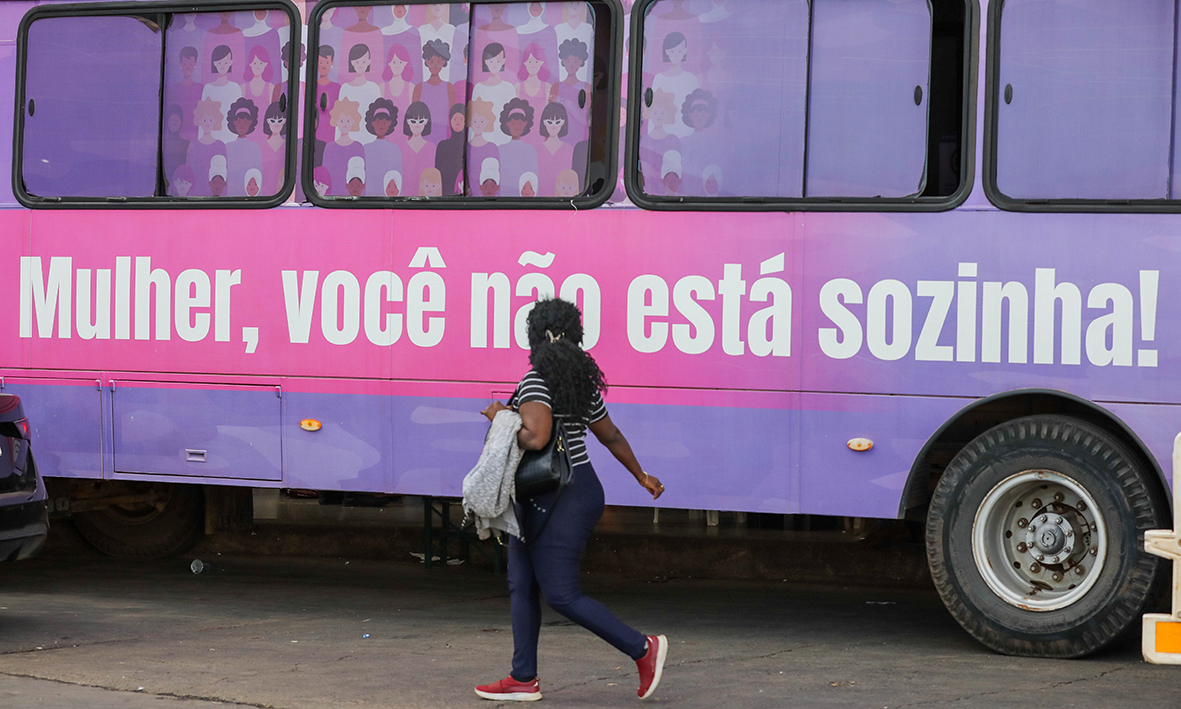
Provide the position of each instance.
(1039, 540)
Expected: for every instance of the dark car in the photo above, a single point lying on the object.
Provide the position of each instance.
(24, 516)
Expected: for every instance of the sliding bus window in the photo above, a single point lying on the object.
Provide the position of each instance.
(795, 104)
(497, 104)
(1083, 104)
(156, 108)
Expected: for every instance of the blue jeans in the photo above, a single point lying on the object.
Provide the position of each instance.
(549, 565)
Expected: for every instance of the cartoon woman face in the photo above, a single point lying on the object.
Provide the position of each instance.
(276, 124)
(516, 125)
(658, 114)
(252, 187)
(533, 65)
(552, 126)
(436, 9)
(182, 187)
(431, 189)
(355, 187)
(187, 66)
(208, 121)
(479, 124)
(489, 188)
(361, 64)
(699, 117)
(397, 66)
(345, 123)
(672, 182)
(321, 188)
(324, 65)
(535, 9)
(258, 66)
(497, 9)
(400, 12)
(711, 186)
(222, 66)
(567, 189)
(217, 185)
(676, 55)
(416, 125)
(174, 123)
(241, 124)
(382, 125)
(496, 63)
(528, 191)
(391, 189)
(457, 123)
(435, 63)
(572, 64)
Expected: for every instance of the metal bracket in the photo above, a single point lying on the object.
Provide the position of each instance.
(279, 392)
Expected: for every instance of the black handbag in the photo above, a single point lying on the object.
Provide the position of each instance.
(548, 469)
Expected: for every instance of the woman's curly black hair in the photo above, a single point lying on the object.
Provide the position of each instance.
(555, 352)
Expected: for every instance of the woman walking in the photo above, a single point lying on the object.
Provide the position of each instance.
(564, 382)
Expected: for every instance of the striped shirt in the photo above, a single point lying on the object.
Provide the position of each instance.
(533, 388)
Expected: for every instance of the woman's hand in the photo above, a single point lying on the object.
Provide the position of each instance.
(494, 408)
(653, 485)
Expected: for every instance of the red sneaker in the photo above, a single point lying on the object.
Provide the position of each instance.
(510, 690)
(651, 665)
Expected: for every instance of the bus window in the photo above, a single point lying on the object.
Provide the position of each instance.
(1084, 100)
(91, 107)
(724, 100)
(795, 104)
(475, 104)
(867, 112)
(530, 129)
(225, 105)
(156, 110)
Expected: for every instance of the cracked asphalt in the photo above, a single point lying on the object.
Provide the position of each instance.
(80, 630)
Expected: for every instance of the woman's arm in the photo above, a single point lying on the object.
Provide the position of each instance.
(611, 437)
(536, 422)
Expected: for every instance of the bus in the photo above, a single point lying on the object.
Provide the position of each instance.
(896, 259)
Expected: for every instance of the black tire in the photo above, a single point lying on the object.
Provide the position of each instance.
(143, 532)
(1128, 500)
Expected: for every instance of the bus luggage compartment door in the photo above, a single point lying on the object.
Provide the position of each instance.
(203, 431)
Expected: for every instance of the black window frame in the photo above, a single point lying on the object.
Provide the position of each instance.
(605, 82)
(142, 9)
(809, 204)
(1012, 204)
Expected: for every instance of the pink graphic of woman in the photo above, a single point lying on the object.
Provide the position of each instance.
(675, 79)
(186, 92)
(574, 26)
(225, 34)
(274, 149)
(360, 89)
(182, 181)
(571, 92)
(437, 94)
(207, 116)
(397, 75)
(494, 89)
(327, 93)
(393, 183)
(401, 33)
(567, 184)
(346, 119)
(657, 141)
(259, 86)
(363, 32)
(481, 122)
(418, 153)
(438, 27)
(555, 155)
(534, 84)
(516, 156)
(491, 27)
(431, 183)
(490, 177)
(322, 181)
(383, 154)
(221, 88)
(242, 153)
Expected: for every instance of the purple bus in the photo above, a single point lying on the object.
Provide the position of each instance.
(901, 259)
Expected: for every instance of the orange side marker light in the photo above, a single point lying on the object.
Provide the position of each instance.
(310, 425)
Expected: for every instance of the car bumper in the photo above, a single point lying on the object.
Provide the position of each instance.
(25, 527)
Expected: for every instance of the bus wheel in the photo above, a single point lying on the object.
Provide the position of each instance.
(169, 523)
(1034, 537)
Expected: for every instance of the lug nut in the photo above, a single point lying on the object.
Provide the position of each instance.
(1094, 551)
(1057, 520)
(1069, 532)
(1041, 557)
(1022, 522)
(1044, 518)
(1021, 547)
(1036, 504)
(1078, 570)
(1056, 576)
(1035, 568)
(1058, 497)
(1081, 506)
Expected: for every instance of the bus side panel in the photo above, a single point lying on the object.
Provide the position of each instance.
(837, 480)
(66, 416)
(353, 449)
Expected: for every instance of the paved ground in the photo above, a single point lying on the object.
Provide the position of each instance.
(79, 630)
